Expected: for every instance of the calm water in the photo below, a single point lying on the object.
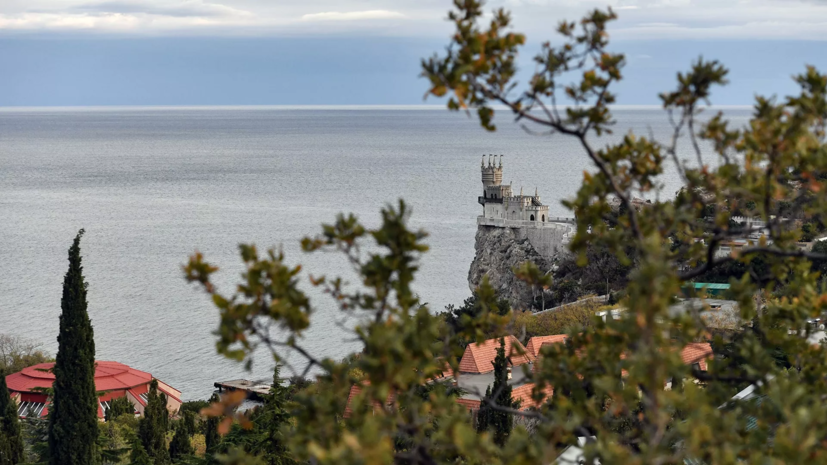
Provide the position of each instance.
(152, 185)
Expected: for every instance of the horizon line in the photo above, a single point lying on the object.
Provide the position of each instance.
(403, 107)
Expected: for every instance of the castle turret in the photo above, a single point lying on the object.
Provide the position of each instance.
(492, 175)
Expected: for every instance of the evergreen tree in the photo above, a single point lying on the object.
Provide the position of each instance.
(484, 413)
(188, 420)
(119, 406)
(211, 437)
(500, 395)
(271, 443)
(11, 435)
(138, 456)
(180, 447)
(152, 428)
(73, 425)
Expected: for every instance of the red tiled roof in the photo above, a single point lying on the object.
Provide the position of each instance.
(479, 358)
(109, 376)
(536, 342)
(697, 352)
(523, 394)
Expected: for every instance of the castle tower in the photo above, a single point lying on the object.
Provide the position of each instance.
(492, 175)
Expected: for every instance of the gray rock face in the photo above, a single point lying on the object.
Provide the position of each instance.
(499, 250)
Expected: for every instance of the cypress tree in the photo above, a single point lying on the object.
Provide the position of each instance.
(152, 429)
(180, 447)
(500, 395)
(73, 424)
(271, 443)
(11, 436)
(211, 437)
(138, 456)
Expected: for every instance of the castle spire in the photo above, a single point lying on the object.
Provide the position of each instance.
(535, 192)
(501, 161)
(489, 159)
(521, 191)
(482, 164)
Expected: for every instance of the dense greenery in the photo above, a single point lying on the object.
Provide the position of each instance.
(456, 318)
(11, 435)
(153, 427)
(181, 445)
(73, 419)
(119, 406)
(210, 426)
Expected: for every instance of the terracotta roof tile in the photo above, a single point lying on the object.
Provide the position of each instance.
(479, 358)
(697, 352)
(523, 394)
(534, 344)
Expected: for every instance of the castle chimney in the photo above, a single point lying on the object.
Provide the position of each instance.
(501, 161)
(482, 164)
(489, 159)
(535, 192)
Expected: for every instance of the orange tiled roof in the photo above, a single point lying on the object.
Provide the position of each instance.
(479, 358)
(523, 394)
(697, 352)
(536, 342)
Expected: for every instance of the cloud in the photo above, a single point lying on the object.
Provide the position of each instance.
(639, 19)
(181, 9)
(352, 15)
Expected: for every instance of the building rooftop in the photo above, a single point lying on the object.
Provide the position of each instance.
(479, 358)
(109, 376)
(536, 342)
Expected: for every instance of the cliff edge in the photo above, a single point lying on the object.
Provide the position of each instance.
(498, 251)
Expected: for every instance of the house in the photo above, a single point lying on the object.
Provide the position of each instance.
(112, 380)
(476, 370)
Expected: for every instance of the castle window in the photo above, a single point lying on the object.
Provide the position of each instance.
(485, 194)
(544, 218)
(531, 217)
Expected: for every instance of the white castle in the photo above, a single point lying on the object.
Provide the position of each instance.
(498, 201)
(525, 215)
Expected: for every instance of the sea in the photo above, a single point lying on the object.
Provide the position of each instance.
(152, 185)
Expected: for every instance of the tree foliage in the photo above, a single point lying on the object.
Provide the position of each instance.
(272, 444)
(610, 379)
(119, 406)
(17, 353)
(210, 426)
(180, 447)
(73, 413)
(153, 427)
(492, 414)
(11, 435)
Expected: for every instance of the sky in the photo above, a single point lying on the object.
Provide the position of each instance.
(367, 52)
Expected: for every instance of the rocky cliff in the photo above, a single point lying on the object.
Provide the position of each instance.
(498, 251)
